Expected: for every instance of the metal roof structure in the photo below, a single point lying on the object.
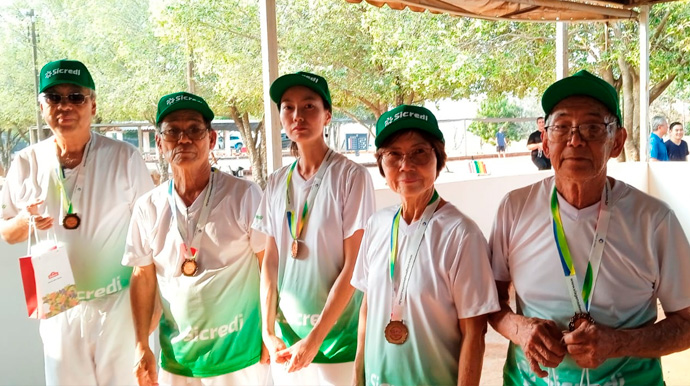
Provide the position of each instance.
(524, 10)
(559, 11)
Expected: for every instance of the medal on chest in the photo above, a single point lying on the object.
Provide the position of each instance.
(295, 248)
(396, 332)
(297, 221)
(189, 265)
(581, 299)
(579, 318)
(71, 221)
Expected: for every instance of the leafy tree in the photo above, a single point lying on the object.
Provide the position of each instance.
(224, 46)
(520, 58)
(500, 107)
(373, 58)
(18, 110)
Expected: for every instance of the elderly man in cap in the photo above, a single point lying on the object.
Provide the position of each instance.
(588, 257)
(192, 238)
(82, 187)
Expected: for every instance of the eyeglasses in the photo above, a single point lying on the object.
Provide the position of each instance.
(75, 98)
(418, 157)
(174, 135)
(588, 131)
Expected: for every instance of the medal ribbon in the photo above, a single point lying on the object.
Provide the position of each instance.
(410, 254)
(200, 225)
(294, 225)
(68, 199)
(581, 301)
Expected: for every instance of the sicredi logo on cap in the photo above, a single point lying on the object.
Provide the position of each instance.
(181, 98)
(313, 79)
(56, 71)
(405, 114)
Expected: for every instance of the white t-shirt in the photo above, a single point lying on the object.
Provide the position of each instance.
(211, 322)
(646, 257)
(344, 202)
(112, 175)
(450, 280)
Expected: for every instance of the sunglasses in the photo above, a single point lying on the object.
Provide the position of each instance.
(73, 98)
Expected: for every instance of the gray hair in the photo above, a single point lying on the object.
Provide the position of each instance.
(658, 121)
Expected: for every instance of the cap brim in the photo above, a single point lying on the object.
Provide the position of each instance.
(283, 83)
(206, 113)
(575, 86)
(396, 127)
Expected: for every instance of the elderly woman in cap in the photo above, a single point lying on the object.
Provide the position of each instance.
(313, 212)
(423, 267)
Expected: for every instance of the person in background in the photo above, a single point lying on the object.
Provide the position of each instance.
(588, 257)
(423, 267)
(194, 253)
(676, 147)
(501, 143)
(313, 212)
(534, 143)
(81, 186)
(657, 149)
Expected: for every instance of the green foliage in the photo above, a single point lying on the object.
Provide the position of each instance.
(501, 107)
(374, 58)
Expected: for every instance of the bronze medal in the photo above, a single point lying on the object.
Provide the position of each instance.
(189, 267)
(71, 221)
(578, 319)
(295, 248)
(396, 332)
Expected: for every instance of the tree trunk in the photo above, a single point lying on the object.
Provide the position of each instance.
(255, 141)
(634, 136)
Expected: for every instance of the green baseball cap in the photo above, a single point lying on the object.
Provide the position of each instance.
(582, 83)
(314, 82)
(65, 71)
(406, 117)
(182, 101)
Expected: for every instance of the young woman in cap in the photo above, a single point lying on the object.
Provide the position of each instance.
(423, 267)
(313, 212)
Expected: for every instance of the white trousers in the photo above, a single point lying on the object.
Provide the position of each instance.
(91, 344)
(335, 374)
(254, 375)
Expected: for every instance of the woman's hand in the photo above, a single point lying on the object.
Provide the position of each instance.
(273, 345)
(299, 355)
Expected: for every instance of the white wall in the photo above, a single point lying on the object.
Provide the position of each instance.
(21, 355)
(21, 361)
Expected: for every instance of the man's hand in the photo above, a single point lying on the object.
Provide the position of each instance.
(41, 222)
(299, 355)
(273, 345)
(145, 369)
(590, 344)
(541, 341)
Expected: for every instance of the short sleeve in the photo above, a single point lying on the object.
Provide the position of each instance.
(250, 205)
(360, 275)
(534, 138)
(654, 149)
(141, 177)
(9, 208)
(138, 252)
(673, 253)
(359, 201)
(262, 216)
(498, 243)
(473, 285)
